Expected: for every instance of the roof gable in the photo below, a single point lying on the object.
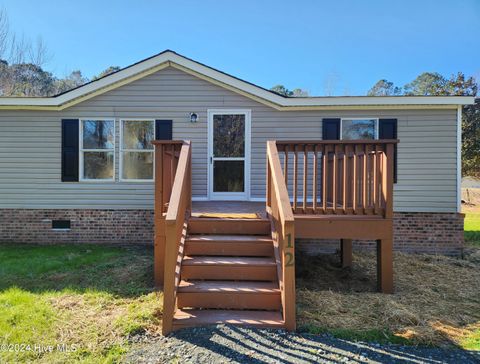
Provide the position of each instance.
(171, 59)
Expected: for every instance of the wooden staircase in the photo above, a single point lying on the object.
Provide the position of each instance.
(242, 271)
(228, 274)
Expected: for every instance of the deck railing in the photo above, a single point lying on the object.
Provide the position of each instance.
(173, 199)
(167, 153)
(283, 223)
(339, 177)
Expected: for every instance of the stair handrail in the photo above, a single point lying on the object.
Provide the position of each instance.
(175, 228)
(283, 223)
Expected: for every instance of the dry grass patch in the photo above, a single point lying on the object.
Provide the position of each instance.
(436, 300)
(98, 323)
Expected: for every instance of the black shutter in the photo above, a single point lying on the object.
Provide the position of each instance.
(163, 130)
(387, 129)
(69, 150)
(331, 129)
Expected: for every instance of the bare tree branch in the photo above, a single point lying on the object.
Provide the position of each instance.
(38, 53)
(4, 32)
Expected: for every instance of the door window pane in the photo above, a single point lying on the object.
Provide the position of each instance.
(229, 135)
(228, 176)
(98, 165)
(137, 165)
(138, 134)
(98, 134)
(353, 129)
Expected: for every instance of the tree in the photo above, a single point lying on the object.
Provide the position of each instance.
(27, 79)
(282, 90)
(459, 86)
(298, 92)
(384, 88)
(73, 80)
(106, 72)
(427, 83)
(471, 140)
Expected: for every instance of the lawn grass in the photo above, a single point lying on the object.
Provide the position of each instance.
(472, 228)
(89, 296)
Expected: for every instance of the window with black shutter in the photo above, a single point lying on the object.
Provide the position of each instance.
(163, 130)
(331, 129)
(70, 150)
(387, 129)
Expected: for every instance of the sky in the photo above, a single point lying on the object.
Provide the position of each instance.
(339, 47)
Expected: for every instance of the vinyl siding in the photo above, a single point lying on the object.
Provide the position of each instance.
(30, 143)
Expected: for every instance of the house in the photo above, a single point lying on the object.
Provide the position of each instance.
(82, 167)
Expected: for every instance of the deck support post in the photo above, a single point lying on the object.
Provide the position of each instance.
(385, 265)
(346, 252)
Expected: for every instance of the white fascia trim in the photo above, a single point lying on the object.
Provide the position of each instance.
(243, 86)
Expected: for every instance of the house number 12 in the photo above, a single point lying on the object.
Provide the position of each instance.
(289, 261)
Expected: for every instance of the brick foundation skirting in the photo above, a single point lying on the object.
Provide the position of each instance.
(437, 233)
(87, 226)
(414, 232)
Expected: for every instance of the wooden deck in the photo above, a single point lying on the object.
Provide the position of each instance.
(234, 207)
(234, 262)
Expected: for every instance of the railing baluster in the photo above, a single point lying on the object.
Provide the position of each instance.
(345, 178)
(295, 177)
(325, 151)
(369, 178)
(355, 179)
(285, 166)
(388, 180)
(335, 178)
(315, 178)
(364, 180)
(375, 180)
(172, 172)
(305, 177)
(348, 178)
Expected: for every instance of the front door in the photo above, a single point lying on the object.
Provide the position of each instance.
(228, 154)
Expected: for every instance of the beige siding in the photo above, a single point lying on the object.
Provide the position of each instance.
(30, 145)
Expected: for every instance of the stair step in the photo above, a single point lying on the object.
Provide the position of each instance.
(229, 245)
(229, 295)
(191, 317)
(229, 268)
(199, 225)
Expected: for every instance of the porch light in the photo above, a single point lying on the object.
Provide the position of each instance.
(193, 117)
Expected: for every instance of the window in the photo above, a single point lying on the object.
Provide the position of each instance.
(136, 150)
(353, 129)
(97, 150)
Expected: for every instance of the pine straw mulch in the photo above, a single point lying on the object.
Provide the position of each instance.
(436, 300)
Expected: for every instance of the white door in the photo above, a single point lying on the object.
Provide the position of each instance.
(229, 154)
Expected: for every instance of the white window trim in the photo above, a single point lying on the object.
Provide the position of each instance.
(360, 118)
(232, 196)
(121, 151)
(81, 150)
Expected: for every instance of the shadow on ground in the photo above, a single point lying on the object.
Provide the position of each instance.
(245, 345)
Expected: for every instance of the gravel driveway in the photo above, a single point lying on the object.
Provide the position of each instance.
(220, 344)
